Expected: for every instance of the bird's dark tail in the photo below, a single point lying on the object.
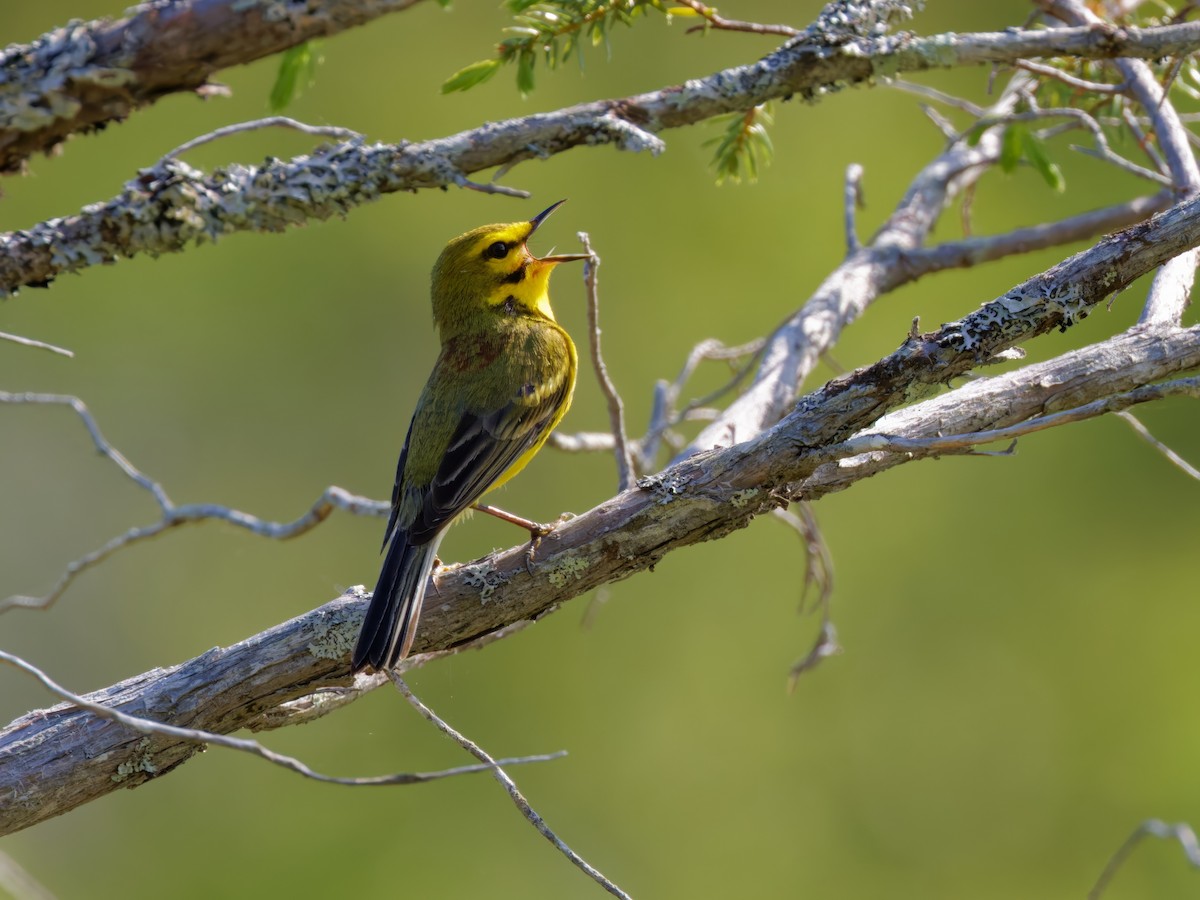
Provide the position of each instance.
(391, 623)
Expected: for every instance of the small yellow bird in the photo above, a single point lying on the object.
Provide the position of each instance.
(503, 380)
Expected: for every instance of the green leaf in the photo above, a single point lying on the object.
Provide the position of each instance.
(297, 67)
(744, 147)
(1010, 148)
(525, 64)
(1035, 152)
(475, 73)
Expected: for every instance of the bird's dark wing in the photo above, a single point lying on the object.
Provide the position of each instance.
(397, 489)
(483, 447)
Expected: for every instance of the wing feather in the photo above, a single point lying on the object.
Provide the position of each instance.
(484, 446)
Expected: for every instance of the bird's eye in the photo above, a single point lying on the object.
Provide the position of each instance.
(498, 250)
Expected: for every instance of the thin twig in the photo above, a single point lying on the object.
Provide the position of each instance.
(38, 345)
(331, 498)
(1144, 433)
(582, 442)
(1144, 141)
(333, 131)
(1106, 155)
(490, 187)
(973, 251)
(509, 785)
(931, 93)
(616, 409)
(195, 736)
(1180, 832)
(1080, 118)
(716, 21)
(666, 414)
(102, 444)
(818, 572)
(1094, 87)
(852, 199)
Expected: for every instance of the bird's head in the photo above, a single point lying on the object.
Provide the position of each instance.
(490, 270)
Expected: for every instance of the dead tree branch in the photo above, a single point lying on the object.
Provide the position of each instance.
(171, 205)
(702, 497)
(86, 75)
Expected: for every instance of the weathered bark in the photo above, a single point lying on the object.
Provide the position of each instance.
(84, 76)
(53, 760)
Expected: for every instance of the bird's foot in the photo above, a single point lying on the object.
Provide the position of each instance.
(537, 530)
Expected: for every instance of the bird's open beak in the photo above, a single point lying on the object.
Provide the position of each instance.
(537, 221)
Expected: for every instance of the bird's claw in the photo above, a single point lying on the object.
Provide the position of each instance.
(535, 539)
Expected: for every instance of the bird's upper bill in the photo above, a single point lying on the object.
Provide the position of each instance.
(538, 220)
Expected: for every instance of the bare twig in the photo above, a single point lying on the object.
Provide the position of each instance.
(710, 16)
(943, 124)
(344, 134)
(818, 573)
(1094, 87)
(616, 409)
(1180, 832)
(1105, 154)
(37, 345)
(1082, 119)
(509, 785)
(666, 414)
(582, 442)
(1144, 141)
(196, 736)
(818, 567)
(1144, 433)
(852, 199)
(825, 645)
(173, 515)
(490, 187)
(976, 250)
(932, 93)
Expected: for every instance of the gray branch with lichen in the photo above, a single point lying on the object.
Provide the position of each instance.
(78, 757)
(86, 75)
(875, 418)
(171, 205)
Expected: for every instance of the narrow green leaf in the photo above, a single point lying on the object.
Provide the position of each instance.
(1010, 148)
(1035, 152)
(525, 64)
(475, 73)
(296, 68)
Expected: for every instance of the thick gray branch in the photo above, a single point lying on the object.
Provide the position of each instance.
(866, 274)
(170, 205)
(53, 760)
(85, 75)
(1173, 284)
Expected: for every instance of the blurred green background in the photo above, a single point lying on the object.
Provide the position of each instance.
(1019, 632)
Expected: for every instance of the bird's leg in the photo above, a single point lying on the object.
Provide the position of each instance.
(536, 530)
